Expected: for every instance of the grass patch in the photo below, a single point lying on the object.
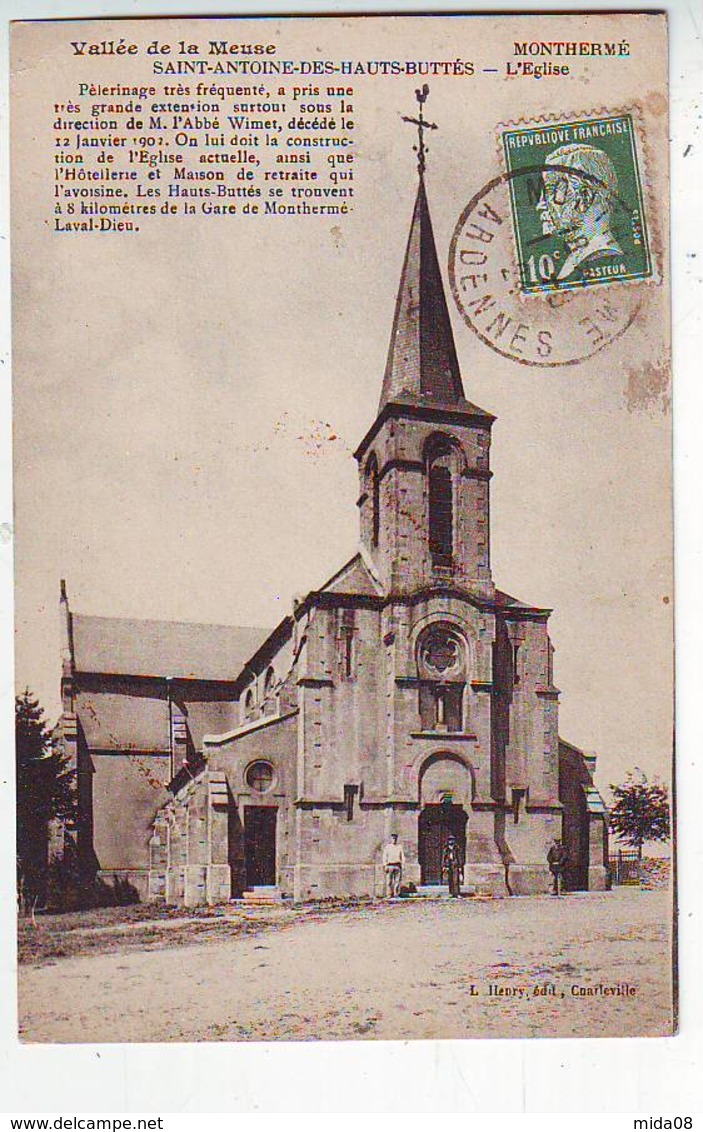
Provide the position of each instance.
(141, 927)
(137, 927)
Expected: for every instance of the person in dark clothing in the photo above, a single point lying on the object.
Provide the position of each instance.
(557, 859)
(452, 866)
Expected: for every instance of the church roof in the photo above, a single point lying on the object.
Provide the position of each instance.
(120, 646)
(353, 578)
(422, 364)
(505, 601)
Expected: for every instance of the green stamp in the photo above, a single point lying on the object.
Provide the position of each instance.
(577, 204)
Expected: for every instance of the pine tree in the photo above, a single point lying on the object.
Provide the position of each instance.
(45, 790)
(640, 812)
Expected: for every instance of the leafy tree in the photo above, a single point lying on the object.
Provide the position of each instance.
(640, 812)
(44, 791)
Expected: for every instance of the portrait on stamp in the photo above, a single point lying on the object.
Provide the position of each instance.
(577, 204)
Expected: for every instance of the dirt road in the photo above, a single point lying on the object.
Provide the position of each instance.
(414, 969)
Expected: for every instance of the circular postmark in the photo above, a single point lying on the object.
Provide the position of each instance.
(527, 283)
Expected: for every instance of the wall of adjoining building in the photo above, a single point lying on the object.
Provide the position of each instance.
(585, 833)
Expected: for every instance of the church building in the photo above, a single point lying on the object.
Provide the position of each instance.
(406, 695)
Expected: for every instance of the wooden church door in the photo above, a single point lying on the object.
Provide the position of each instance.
(260, 845)
(437, 824)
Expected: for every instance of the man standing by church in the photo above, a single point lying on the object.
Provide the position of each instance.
(393, 861)
(557, 859)
(452, 866)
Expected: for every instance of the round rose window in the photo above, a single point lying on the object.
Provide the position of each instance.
(441, 654)
(259, 776)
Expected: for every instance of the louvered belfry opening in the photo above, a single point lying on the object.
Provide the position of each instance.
(441, 520)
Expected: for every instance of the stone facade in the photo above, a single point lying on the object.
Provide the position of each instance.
(408, 695)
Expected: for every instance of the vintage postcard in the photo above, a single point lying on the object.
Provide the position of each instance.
(343, 509)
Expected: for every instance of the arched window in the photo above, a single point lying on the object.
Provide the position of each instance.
(442, 672)
(249, 702)
(443, 463)
(269, 681)
(372, 488)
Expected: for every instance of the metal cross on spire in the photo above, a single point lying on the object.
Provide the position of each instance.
(422, 125)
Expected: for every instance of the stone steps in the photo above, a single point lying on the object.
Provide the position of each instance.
(262, 897)
(441, 891)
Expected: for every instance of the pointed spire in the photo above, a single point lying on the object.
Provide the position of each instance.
(422, 364)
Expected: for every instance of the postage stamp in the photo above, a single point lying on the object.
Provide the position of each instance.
(535, 245)
(577, 204)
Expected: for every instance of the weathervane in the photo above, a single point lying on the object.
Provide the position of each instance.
(422, 125)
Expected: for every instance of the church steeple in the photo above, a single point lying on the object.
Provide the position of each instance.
(424, 466)
(422, 364)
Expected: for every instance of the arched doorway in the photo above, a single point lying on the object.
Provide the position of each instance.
(446, 790)
(437, 823)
